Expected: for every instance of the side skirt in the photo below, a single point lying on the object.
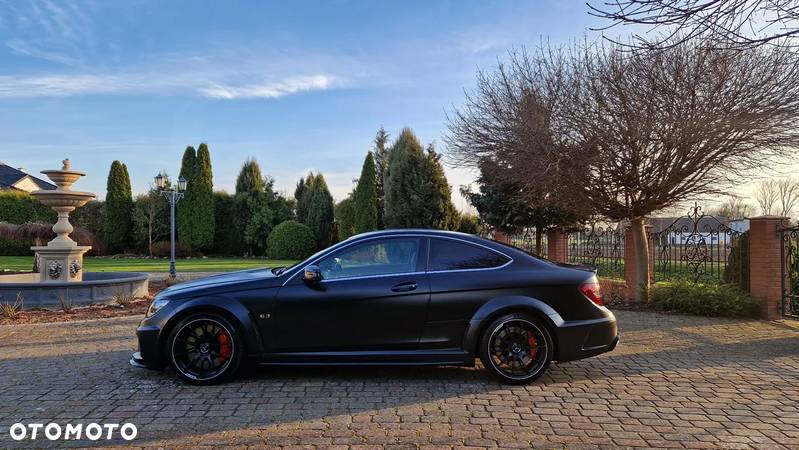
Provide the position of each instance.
(454, 357)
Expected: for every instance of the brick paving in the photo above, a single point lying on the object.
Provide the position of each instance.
(673, 382)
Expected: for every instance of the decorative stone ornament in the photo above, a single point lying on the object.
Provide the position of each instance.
(54, 270)
(74, 268)
(62, 252)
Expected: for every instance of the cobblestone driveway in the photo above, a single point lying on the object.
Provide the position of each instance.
(673, 381)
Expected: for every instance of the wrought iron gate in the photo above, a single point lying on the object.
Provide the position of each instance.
(790, 271)
(695, 247)
(601, 247)
(528, 241)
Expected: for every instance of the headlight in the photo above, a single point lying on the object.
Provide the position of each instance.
(156, 305)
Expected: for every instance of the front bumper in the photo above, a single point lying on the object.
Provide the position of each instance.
(149, 354)
(586, 338)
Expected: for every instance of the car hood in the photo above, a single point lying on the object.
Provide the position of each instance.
(225, 279)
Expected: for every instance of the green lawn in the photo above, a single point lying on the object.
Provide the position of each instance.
(154, 265)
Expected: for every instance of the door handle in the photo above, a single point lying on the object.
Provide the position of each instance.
(404, 287)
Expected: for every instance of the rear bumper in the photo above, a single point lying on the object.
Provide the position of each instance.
(149, 354)
(586, 338)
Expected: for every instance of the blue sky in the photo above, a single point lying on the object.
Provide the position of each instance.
(297, 85)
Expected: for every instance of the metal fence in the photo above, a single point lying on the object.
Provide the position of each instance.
(529, 240)
(790, 271)
(695, 247)
(599, 246)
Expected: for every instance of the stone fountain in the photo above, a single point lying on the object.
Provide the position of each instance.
(61, 277)
(62, 258)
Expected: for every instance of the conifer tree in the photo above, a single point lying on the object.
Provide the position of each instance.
(185, 210)
(381, 165)
(203, 226)
(119, 208)
(365, 198)
(440, 192)
(252, 212)
(320, 210)
(300, 199)
(416, 190)
(344, 213)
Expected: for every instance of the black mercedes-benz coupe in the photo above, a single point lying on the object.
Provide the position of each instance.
(384, 298)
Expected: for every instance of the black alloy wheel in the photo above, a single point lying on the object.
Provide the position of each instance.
(516, 348)
(204, 349)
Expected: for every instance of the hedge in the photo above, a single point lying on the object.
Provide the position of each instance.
(290, 240)
(15, 248)
(227, 240)
(20, 207)
(703, 299)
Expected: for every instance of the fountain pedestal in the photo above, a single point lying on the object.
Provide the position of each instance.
(60, 265)
(61, 260)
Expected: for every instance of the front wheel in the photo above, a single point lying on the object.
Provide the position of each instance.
(516, 348)
(204, 348)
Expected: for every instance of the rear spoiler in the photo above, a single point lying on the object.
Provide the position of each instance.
(579, 266)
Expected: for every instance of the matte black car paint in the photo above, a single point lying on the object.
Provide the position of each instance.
(377, 320)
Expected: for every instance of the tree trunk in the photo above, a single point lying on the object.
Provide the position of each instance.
(150, 226)
(539, 239)
(641, 243)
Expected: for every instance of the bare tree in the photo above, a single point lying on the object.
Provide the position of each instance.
(506, 131)
(766, 195)
(631, 133)
(734, 24)
(788, 191)
(733, 208)
(150, 218)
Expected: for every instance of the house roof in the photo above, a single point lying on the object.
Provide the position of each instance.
(9, 176)
(686, 224)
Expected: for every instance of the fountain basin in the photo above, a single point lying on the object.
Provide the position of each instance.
(96, 287)
(63, 198)
(63, 178)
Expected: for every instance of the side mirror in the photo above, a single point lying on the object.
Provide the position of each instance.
(312, 276)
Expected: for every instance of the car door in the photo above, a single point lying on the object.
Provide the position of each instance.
(373, 296)
(463, 275)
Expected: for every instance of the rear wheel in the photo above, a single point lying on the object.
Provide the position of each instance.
(516, 348)
(204, 348)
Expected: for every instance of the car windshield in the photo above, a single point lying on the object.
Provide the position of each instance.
(281, 270)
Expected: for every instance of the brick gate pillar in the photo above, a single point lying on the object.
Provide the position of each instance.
(765, 263)
(501, 237)
(557, 245)
(630, 274)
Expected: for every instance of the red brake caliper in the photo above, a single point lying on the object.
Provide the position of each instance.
(533, 345)
(224, 346)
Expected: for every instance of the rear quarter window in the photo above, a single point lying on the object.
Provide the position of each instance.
(447, 254)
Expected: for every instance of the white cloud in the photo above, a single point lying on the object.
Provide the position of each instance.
(62, 85)
(15, 86)
(30, 49)
(269, 89)
(63, 21)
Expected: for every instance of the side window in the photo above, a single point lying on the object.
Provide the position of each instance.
(446, 254)
(383, 257)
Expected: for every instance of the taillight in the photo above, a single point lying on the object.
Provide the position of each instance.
(592, 291)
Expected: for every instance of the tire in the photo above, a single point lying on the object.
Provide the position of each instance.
(204, 348)
(516, 348)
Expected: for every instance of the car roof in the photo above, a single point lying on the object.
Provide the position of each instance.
(498, 246)
(424, 231)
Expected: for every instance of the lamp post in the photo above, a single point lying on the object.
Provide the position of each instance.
(173, 195)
